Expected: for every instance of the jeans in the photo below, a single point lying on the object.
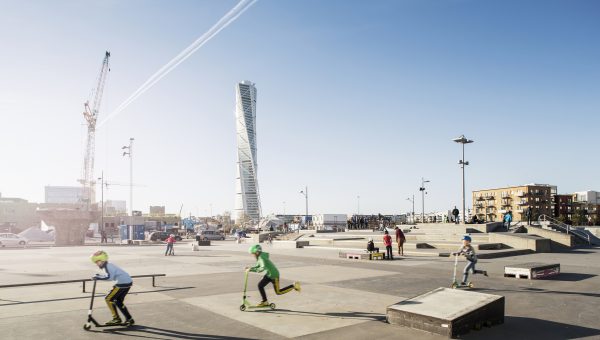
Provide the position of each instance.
(169, 250)
(470, 266)
(388, 250)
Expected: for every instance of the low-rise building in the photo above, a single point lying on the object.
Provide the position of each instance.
(17, 214)
(490, 205)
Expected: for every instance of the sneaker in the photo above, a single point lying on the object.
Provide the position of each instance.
(113, 322)
(297, 286)
(263, 304)
(129, 322)
(463, 283)
(485, 273)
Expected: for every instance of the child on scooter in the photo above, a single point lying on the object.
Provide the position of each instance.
(170, 243)
(469, 252)
(271, 275)
(116, 296)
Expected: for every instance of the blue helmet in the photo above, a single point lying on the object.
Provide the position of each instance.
(467, 238)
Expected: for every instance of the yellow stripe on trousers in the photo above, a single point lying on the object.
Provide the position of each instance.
(280, 292)
(111, 305)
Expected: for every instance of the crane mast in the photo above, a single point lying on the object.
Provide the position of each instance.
(90, 114)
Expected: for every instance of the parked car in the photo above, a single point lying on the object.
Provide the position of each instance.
(210, 235)
(161, 236)
(10, 239)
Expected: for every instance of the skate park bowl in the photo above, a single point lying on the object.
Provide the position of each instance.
(449, 312)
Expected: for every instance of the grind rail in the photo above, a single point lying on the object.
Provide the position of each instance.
(153, 276)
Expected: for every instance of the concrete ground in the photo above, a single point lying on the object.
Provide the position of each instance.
(340, 299)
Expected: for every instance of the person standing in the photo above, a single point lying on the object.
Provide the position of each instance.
(455, 213)
(103, 238)
(400, 239)
(387, 241)
(528, 214)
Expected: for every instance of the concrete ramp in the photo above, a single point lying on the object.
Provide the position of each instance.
(448, 312)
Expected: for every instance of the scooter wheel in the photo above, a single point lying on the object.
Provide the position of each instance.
(272, 306)
(470, 285)
(454, 285)
(87, 326)
(243, 308)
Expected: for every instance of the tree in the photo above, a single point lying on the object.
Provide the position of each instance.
(579, 217)
(563, 218)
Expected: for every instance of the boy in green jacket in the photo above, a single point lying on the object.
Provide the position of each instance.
(271, 274)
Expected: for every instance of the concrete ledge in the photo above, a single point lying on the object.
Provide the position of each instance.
(559, 240)
(354, 255)
(290, 244)
(522, 241)
(449, 312)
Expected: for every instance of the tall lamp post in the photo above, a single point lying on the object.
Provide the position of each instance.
(463, 140)
(305, 193)
(102, 231)
(422, 190)
(129, 153)
(358, 205)
(413, 207)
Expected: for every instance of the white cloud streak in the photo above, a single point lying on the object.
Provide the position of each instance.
(225, 21)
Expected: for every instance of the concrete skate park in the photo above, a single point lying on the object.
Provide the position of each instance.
(341, 298)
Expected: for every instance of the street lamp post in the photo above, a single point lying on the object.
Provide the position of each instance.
(305, 193)
(358, 205)
(283, 208)
(129, 153)
(413, 207)
(102, 231)
(463, 140)
(422, 190)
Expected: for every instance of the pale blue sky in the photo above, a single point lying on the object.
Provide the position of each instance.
(354, 98)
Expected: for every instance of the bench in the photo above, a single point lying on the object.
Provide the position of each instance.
(153, 276)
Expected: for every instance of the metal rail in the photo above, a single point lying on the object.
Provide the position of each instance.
(153, 276)
(566, 227)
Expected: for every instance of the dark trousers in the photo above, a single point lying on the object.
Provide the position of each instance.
(169, 250)
(116, 298)
(266, 280)
(388, 250)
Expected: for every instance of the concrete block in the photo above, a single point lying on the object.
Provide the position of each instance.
(290, 244)
(355, 255)
(522, 241)
(449, 312)
(532, 270)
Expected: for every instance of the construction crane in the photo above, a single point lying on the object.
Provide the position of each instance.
(90, 114)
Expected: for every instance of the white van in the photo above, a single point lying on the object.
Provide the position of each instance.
(210, 235)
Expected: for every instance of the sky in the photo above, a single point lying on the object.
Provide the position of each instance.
(355, 98)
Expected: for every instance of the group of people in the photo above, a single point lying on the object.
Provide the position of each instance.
(387, 242)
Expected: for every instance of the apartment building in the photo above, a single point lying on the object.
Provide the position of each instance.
(490, 205)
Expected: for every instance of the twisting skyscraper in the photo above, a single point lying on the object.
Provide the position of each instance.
(247, 199)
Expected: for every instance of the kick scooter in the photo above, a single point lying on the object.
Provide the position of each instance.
(91, 321)
(246, 304)
(455, 283)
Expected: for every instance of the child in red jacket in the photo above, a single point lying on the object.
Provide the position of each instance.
(387, 241)
(170, 242)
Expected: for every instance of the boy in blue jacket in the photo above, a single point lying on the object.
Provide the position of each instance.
(116, 296)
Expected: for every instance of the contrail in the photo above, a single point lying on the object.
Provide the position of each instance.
(225, 21)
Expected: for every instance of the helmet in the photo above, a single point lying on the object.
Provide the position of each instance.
(467, 238)
(255, 249)
(100, 255)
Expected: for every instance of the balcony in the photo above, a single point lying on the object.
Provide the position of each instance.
(522, 203)
(480, 198)
(490, 198)
(521, 194)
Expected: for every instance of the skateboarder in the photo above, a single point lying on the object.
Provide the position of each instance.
(263, 263)
(469, 252)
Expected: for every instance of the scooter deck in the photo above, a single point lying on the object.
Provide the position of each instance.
(246, 306)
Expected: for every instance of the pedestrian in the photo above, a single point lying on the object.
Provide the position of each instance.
(400, 239)
(455, 213)
(371, 246)
(469, 252)
(508, 219)
(116, 296)
(529, 215)
(103, 238)
(263, 263)
(387, 241)
(170, 242)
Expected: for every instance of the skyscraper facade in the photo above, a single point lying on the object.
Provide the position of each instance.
(247, 199)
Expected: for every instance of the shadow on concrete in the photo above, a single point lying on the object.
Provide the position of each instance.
(516, 327)
(348, 315)
(139, 331)
(571, 277)
(166, 289)
(536, 291)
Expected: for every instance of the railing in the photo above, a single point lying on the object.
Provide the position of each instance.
(566, 227)
(153, 276)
